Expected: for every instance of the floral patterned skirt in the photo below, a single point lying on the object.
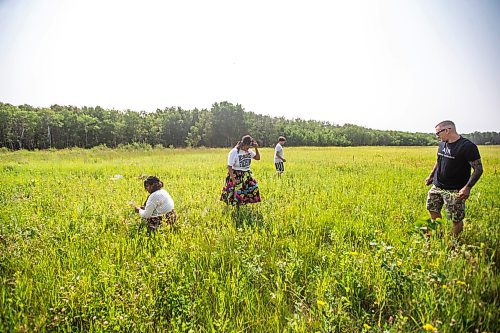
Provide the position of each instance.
(155, 222)
(246, 189)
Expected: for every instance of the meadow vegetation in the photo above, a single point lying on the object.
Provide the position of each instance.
(339, 244)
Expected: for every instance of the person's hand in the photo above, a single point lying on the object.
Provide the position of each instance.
(255, 144)
(284, 160)
(464, 193)
(136, 208)
(428, 180)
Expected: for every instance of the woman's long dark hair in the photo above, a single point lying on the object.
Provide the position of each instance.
(245, 140)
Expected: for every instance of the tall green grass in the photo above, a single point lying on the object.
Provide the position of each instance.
(336, 245)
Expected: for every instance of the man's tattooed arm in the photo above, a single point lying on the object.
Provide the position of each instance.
(477, 167)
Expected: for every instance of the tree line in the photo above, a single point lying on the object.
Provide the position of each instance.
(27, 127)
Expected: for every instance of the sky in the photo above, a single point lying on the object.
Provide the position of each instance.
(382, 64)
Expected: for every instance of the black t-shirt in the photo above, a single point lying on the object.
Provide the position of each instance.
(453, 170)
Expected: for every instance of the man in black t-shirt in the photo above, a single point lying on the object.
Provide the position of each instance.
(451, 176)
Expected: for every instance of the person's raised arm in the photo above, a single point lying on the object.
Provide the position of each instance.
(257, 154)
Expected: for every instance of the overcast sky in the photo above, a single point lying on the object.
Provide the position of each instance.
(403, 65)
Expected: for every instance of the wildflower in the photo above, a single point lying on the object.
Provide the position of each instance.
(366, 326)
(461, 283)
(429, 327)
(320, 303)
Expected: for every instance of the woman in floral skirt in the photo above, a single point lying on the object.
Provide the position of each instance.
(240, 187)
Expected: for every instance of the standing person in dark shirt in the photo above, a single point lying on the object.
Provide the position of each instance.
(451, 176)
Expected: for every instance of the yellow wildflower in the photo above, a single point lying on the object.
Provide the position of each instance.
(429, 327)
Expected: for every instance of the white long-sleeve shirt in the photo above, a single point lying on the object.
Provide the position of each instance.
(158, 203)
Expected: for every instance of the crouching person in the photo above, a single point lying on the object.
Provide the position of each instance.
(159, 206)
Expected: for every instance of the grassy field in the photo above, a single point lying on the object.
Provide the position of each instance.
(336, 245)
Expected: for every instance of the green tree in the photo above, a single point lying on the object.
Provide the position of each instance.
(48, 121)
(7, 115)
(24, 127)
(228, 125)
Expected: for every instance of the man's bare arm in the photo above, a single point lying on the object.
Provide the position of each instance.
(477, 167)
(464, 193)
(429, 179)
